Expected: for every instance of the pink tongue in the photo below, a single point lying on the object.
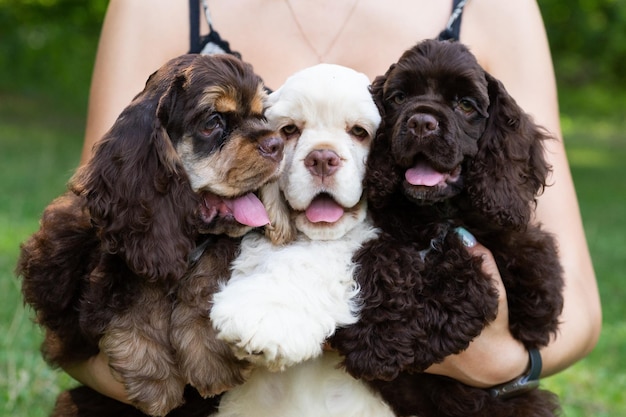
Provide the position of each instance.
(248, 210)
(324, 209)
(423, 174)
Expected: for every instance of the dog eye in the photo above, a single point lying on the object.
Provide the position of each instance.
(398, 97)
(290, 131)
(466, 105)
(358, 132)
(214, 122)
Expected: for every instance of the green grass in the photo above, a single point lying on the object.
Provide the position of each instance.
(39, 148)
(596, 145)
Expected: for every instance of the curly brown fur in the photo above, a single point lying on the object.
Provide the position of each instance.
(103, 269)
(53, 264)
(206, 363)
(453, 150)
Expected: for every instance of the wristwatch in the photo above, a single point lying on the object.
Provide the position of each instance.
(524, 383)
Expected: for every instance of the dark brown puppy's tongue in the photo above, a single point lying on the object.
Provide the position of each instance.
(324, 209)
(423, 174)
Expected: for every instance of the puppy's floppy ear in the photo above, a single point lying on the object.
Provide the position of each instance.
(378, 91)
(510, 169)
(281, 229)
(381, 178)
(137, 191)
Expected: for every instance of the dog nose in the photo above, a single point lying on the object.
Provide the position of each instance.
(322, 162)
(272, 148)
(423, 124)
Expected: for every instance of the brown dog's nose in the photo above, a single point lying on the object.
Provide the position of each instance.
(272, 148)
(422, 124)
(322, 162)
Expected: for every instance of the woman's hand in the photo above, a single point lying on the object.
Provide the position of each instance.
(96, 374)
(494, 357)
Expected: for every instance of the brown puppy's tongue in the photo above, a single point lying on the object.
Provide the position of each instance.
(324, 209)
(248, 210)
(423, 174)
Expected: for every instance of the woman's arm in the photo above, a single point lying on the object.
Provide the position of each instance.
(96, 374)
(137, 38)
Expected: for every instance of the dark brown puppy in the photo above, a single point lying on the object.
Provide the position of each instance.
(453, 150)
(180, 162)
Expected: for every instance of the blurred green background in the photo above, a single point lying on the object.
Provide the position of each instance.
(47, 48)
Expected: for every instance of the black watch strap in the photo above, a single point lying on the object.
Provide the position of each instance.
(525, 383)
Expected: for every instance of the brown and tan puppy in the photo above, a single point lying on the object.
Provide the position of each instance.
(181, 162)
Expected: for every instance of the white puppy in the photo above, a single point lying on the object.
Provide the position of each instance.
(288, 292)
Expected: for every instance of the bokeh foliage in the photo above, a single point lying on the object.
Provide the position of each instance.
(48, 46)
(588, 40)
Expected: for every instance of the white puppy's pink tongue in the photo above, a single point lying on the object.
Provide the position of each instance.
(248, 210)
(423, 174)
(324, 209)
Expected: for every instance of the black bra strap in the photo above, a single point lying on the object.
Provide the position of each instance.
(453, 28)
(194, 26)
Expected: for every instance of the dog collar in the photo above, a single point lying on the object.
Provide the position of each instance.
(524, 383)
(195, 255)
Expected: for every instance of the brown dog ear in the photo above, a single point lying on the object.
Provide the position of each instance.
(137, 191)
(378, 91)
(510, 169)
(381, 178)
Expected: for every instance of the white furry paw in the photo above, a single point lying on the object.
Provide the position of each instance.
(270, 332)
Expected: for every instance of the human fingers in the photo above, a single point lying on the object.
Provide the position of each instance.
(489, 266)
(96, 374)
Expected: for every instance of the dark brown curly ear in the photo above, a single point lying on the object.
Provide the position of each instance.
(378, 91)
(381, 178)
(137, 191)
(510, 169)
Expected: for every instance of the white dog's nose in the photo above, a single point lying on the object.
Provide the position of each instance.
(322, 162)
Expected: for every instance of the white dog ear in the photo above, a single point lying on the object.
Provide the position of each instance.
(281, 229)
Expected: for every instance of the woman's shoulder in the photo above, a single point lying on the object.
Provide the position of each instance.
(162, 23)
(495, 20)
(498, 30)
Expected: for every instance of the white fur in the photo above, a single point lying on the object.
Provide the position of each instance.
(283, 301)
(316, 388)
